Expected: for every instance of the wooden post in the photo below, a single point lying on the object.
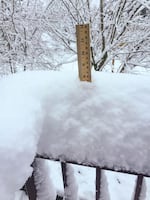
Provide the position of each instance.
(83, 49)
(64, 174)
(138, 187)
(65, 180)
(29, 187)
(98, 183)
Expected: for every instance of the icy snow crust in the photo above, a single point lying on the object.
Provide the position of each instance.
(106, 122)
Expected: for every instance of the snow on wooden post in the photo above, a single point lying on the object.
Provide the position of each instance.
(83, 50)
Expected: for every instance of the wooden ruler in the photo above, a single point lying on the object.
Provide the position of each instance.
(83, 50)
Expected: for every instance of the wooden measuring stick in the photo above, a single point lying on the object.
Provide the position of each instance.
(83, 50)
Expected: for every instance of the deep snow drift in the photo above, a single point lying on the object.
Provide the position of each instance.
(105, 122)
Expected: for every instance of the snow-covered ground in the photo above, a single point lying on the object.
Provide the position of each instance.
(105, 122)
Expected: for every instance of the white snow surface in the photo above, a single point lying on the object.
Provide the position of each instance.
(43, 182)
(106, 122)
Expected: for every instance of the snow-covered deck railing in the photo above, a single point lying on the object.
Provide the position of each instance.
(105, 123)
(65, 165)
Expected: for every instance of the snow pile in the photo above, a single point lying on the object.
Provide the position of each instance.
(105, 122)
(20, 112)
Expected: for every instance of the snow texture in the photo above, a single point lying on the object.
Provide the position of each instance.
(85, 178)
(105, 122)
(44, 185)
(71, 191)
(121, 186)
(104, 187)
(20, 195)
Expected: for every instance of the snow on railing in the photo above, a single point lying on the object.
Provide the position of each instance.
(31, 191)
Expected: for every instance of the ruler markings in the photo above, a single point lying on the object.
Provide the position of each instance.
(83, 48)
